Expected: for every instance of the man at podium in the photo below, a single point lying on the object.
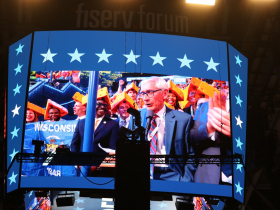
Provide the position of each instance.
(168, 133)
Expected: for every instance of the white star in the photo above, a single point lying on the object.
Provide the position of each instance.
(76, 56)
(239, 167)
(14, 132)
(18, 68)
(78, 208)
(211, 65)
(13, 178)
(238, 61)
(80, 200)
(239, 143)
(30, 194)
(157, 59)
(162, 204)
(17, 89)
(131, 57)
(239, 122)
(185, 61)
(48, 56)
(238, 188)
(19, 49)
(12, 155)
(15, 111)
(103, 56)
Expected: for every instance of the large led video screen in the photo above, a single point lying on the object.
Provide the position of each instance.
(195, 89)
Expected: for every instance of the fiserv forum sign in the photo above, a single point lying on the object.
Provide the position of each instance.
(141, 19)
(155, 16)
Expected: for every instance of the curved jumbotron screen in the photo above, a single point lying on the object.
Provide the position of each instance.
(197, 88)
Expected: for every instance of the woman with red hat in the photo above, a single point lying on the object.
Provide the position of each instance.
(54, 111)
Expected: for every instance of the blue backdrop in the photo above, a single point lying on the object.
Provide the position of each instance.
(127, 52)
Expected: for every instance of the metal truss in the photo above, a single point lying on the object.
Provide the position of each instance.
(88, 159)
(196, 159)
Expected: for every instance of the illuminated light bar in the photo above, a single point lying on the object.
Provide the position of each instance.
(206, 2)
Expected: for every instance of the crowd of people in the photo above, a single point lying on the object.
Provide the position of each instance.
(191, 118)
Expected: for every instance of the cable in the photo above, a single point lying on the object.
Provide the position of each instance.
(92, 181)
(10, 165)
(78, 168)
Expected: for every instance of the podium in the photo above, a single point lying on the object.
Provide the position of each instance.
(132, 181)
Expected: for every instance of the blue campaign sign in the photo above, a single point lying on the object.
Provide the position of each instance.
(53, 134)
(127, 52)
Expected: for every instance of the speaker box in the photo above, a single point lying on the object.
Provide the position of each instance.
(65, 200)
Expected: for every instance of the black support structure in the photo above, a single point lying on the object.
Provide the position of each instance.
(90, 158)
(132, 179)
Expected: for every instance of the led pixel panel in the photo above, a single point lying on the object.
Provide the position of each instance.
(239, 76)
(19, 54)
(204, 72)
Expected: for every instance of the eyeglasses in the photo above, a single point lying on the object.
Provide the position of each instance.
(100, 104)
(149, 93)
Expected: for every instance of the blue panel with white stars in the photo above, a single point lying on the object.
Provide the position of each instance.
(238, 87)
(128, 52)
(19, 54)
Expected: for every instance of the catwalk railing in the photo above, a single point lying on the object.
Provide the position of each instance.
(90, 159)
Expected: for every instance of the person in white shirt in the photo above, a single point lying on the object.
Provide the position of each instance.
(79, 110)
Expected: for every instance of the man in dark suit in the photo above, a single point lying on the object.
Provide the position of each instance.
(122, 103)
(172, 130)
(105, 134)
(124, 119)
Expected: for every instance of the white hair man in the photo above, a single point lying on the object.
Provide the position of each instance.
(168, 132)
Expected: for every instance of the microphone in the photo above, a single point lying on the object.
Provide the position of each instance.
(149, 117)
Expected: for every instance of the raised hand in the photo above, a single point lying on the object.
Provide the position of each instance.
(218, 117)
(121, 82)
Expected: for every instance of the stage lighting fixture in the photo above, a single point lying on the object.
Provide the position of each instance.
(161, 197)
(212, 201)
(41, 194)
(206, 2)
(182, 204)
(97, 194)
(65, 199)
